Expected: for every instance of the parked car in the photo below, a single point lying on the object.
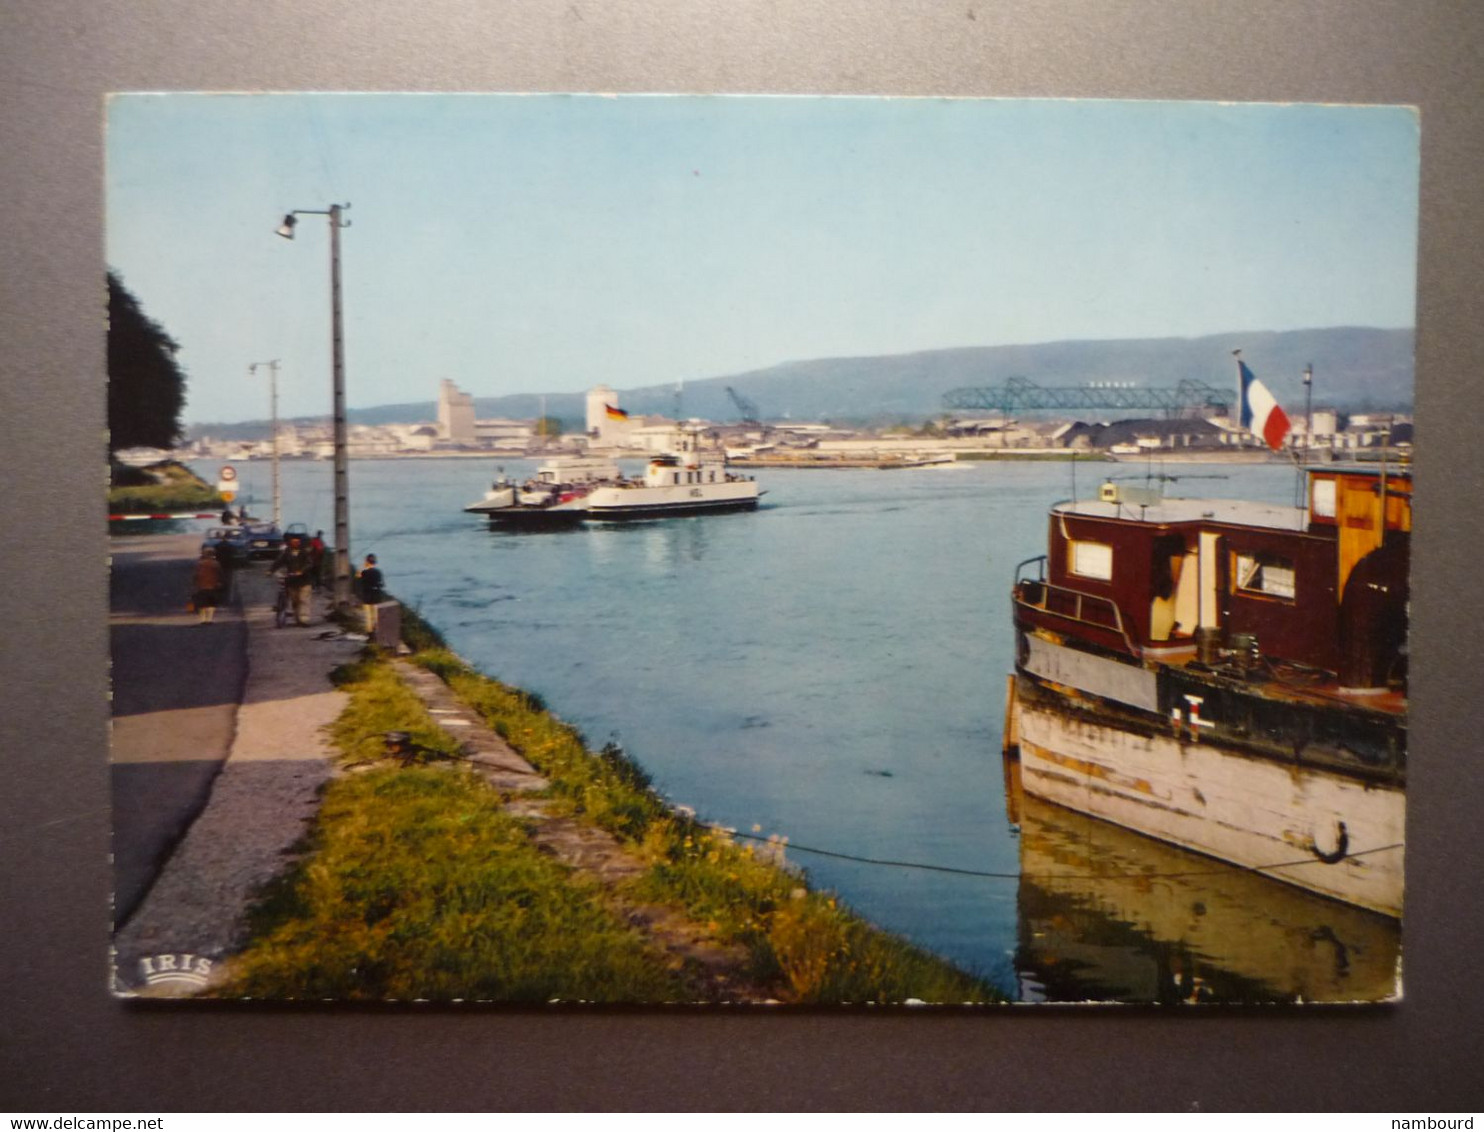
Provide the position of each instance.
(233, 539)
(264, 540)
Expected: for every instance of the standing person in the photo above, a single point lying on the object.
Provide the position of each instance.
(206, 586)
(228, 564)
(317, 559)
(293, 560)
(371, 587)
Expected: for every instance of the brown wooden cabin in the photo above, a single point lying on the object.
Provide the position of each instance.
(1323, 586)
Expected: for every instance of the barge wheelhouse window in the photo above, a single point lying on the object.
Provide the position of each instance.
(1266, 574)
(1323, 498)
(1092, 560)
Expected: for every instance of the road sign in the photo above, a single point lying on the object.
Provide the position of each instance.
(228, 472)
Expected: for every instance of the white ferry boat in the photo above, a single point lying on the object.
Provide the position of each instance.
(688, 480)
(547, 497)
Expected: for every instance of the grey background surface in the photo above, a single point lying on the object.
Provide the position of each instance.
(66, 1046)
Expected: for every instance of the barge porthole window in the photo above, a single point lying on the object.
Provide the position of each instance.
(1092, 560)
(1265, 574)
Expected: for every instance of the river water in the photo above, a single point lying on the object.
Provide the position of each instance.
(831, 669)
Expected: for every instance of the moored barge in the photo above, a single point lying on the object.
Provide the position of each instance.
(1227, 676)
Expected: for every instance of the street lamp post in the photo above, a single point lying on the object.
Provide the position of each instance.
(337, 347)
(272, 368)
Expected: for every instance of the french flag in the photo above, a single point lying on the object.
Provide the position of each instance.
(1261, 414)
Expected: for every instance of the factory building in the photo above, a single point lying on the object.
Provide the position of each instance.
(455, 414)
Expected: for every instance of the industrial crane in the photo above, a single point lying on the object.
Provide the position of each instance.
(748, 409)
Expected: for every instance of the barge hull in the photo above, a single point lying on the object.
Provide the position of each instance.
(1324, 831)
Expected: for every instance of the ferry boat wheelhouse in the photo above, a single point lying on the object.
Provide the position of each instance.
(1227, 676)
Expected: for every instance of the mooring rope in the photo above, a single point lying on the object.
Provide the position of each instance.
(927, 867)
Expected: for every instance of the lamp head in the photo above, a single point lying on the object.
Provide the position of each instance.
(286, 229)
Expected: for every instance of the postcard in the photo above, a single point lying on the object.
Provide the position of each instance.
(759, 550)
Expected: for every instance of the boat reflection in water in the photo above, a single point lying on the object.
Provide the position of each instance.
(1106, 915)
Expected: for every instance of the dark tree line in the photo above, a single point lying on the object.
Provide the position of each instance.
(146, 386)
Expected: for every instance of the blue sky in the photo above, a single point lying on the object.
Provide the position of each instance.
(546, 243)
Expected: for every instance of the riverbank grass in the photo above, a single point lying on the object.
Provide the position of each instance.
(414, 884)
(418, 887)
(163, 487)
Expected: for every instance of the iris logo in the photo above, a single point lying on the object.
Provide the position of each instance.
(182, 971)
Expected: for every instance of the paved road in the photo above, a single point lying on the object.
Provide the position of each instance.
(176, 690)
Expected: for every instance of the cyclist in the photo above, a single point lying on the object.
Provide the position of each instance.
(297, 566)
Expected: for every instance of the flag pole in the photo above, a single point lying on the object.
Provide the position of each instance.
(1308, 410)
(1241, 395)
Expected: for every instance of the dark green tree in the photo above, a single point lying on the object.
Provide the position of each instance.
(548, 428)
(146, 386)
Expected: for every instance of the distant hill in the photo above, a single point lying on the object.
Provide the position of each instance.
(1355, 369)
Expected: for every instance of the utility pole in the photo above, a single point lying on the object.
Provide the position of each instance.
(272, 367)
(337, 351)
(342, 450)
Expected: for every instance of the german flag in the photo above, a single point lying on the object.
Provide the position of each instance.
(615, 414)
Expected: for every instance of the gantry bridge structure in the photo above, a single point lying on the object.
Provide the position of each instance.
(1020, 394)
